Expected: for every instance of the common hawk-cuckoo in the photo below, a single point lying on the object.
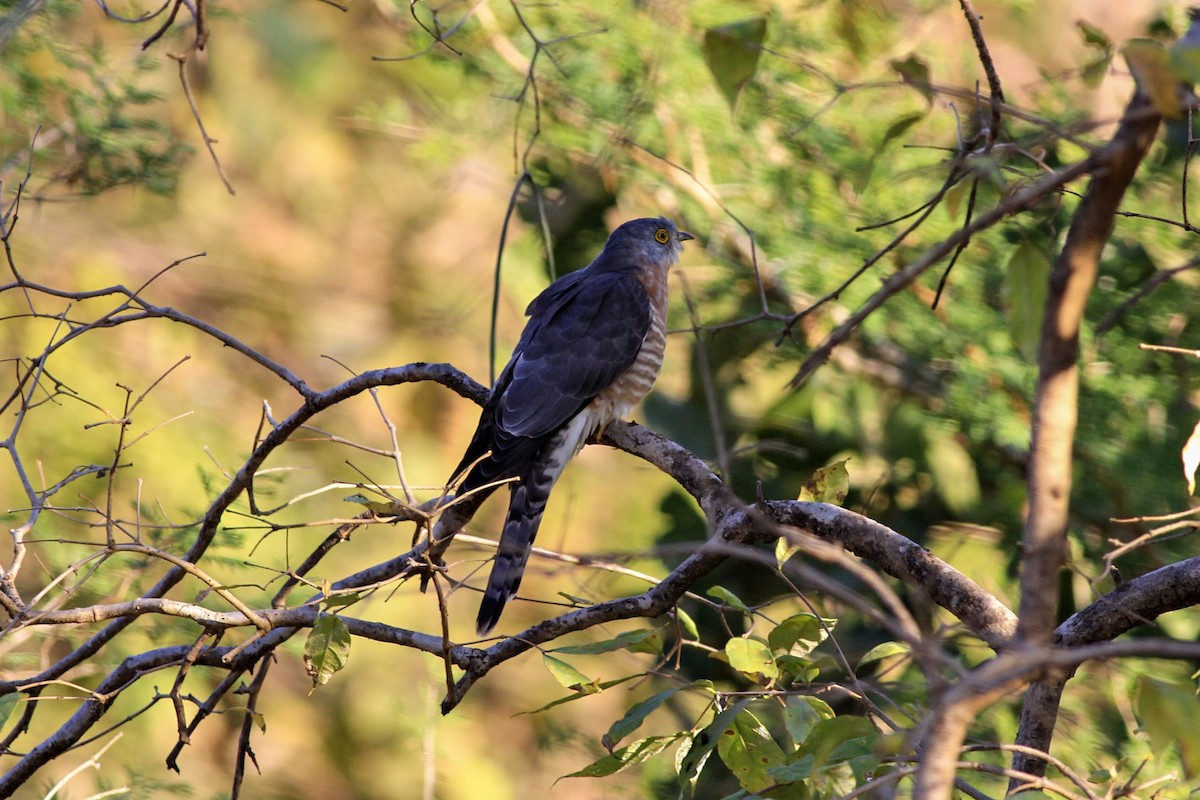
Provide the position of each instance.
(591, 350)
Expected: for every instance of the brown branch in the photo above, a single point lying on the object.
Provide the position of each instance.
(996, 99)
(1049, 478)
(1056, 405)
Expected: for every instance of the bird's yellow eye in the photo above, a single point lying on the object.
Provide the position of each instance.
(662, 236)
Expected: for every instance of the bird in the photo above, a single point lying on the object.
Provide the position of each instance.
(590, 351)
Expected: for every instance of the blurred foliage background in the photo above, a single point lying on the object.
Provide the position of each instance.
(370, 200)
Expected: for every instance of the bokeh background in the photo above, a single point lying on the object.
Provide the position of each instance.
(370, 200)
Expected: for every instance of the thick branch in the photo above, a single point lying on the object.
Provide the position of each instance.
(1057, 399)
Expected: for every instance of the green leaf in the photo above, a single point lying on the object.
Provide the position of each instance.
(634, 753)
(568, 676)
(882, 651)
(914, 71)
(704, 742)
(801, 713)
(784, 550)
(732, 52)
(828, 484)
(799, 770)
(579, 695)
(799, 635)
(635, 716)
(1026, 279)
(380, 508)
(327, 649)
(7, 703)
(339, 600)
(827, 739)
(689, 624)
(642, 640)
(576, 600)
(1168, 714)
(751, 656)
(748, 750)
(796, 668)
(728, 598)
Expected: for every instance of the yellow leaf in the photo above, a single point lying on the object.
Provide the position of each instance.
(1149, 62)
(1191, 458)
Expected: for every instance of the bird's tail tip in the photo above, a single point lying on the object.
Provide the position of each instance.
(490, 610)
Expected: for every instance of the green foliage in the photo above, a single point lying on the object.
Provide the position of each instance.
(89, 124)
(327, 649)
(1168, 713)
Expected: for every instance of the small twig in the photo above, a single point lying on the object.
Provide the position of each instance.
(244, 750)
(444, 615)
(182, 59)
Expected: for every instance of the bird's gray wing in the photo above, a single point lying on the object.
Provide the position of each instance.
(577, 342)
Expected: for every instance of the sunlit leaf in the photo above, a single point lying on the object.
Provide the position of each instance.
(747, 748)
(828, 484)
(1191, 458)
(882, 651)
(751, 656)
(797, 668)
(784, 550)
(339, 600)
(728, 598)
(382, 508)
(798, 635)
(568, 676)
(642, 640)
(1149, 62)
(327, 649)
(688, 624)
(634, 753)
(801, 714)
(732, 52)
(580, 695)
(1026, 280)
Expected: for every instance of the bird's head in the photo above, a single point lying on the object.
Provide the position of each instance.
(643, 243)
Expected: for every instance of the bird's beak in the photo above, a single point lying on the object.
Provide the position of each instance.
(683, 236)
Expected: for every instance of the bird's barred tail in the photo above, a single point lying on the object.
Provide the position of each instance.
(528, 501)
(516, 542)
